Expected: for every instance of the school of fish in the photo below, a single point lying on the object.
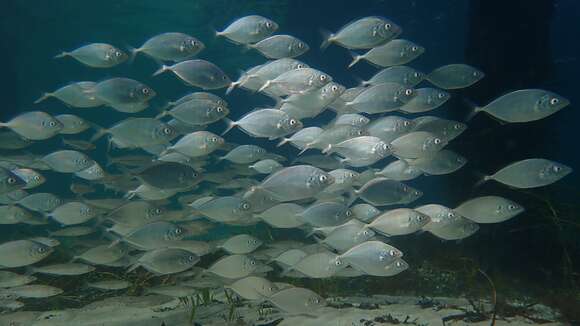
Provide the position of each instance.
(168, 181)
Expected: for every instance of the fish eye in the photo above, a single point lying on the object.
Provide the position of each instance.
(246, 206)
(414, 48)
(408, 92)
(193, 42)
(399, 264)
(117, 53)
(11, 180)
(292, 122)
(359, 132)
(323, 77)
(52, 123)
(441, 95)
(166, 131)
(417, 193)
(301, 45)
(388, 26)
(37, 178)
(416, 75)
(334, 88)
(299, 66)
(219, 109)
(252, 262)
(512, 207)
(457, 126)
(178, 231)
(145, 91)
(322, 178)
(351, 175)
(437, 141)
(385, 147)
(337, 262)
(157, 211)
(268, 24)
(557, 168)
(476, 73)
(554, 101)
(41, 250)
(213, 139)
(348, 213)
(392, 253)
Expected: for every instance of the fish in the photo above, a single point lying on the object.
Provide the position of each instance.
(198, 73)
(77, 95)
(364, 33)
(416, 144)
(524, 105)
(249, 29)
(97, 55)
(266, 166)
(266, 123)
(43, 202)
(401, 170)
(21, 253)
(394, 53)
(68, 269)
(351, 119)
(72, 231)
(170, 46)
(166, 261)
(224, 209)
(319, 265)
(296, 182)
(442, 128)
(124, 94)
(10, 182)
(489, 209)
(297, 300)
(381, 98)
(196, 144)
(253, 288)
(198, 112)
(234, 266)
(371, 257)
(34, 125)
(154, 235)
(284, 215)
(360, 151)
(72, 213)
(365, 212)
(169, 175)
(403, 75)
(280, 46)
(32, 291)
(455, 76)
(326, 214)
(67, 161)
(348, 235)
(137, 133)
(530, 173)
(103, 254)
(426, 99)
(241, 244)
(245, 154)
(443, 162)
(297, 81)
(72, 124)
(447, 224)
(10, 279)
(109, 285)
(382, 192)
(400, 221)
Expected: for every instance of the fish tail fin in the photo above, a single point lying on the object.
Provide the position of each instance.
(248, 47)
(282, 142)
(100, 133)
(231, 86)
(161, 70)
(266, 85)
(328, 150)
(43, 97)
(162, 113)
(474, 109)
(132, 267)
(359, 81)
(230, 124)
(482, 179)
(307, 147)
(62, 55)
(132, 53)
(353, 196)
(327, 38)
(355, 58)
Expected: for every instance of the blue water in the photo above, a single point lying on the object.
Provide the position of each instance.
(519, 45)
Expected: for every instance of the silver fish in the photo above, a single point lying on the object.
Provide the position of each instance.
(196, 144)
(403, 75)
(198, 73)
(234, 266)
(371, 257)
(296, 182)
(382, 192)
(365, 212)
(426, 99)
(267, 123)
(22, 253)
(77, 95)
(297, 81)
(283, 215)
(326, 214)
(249, 29)
(400, 221)
(67, 161)
(241, 244)
(41, 202)
(381, 98)
(224, 209)
(524, 105)
(73, 212)
(170, 47)
(34, 125)
(489, 209)
(364, 33)
(394, 53)
(455, 76)
(166, 261)
(10, 279)
(360, 151)
(417, 144)
(297, 301)
(97, 55)
(401, 170)
(198, 112)
(253, 288)
(69, 269)
(33, 291)
(530, 173)
(443, 162)
(124, 94)
(280, 46)
(245, 154)
(266, 166)
(72, 124)
(302, 137)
